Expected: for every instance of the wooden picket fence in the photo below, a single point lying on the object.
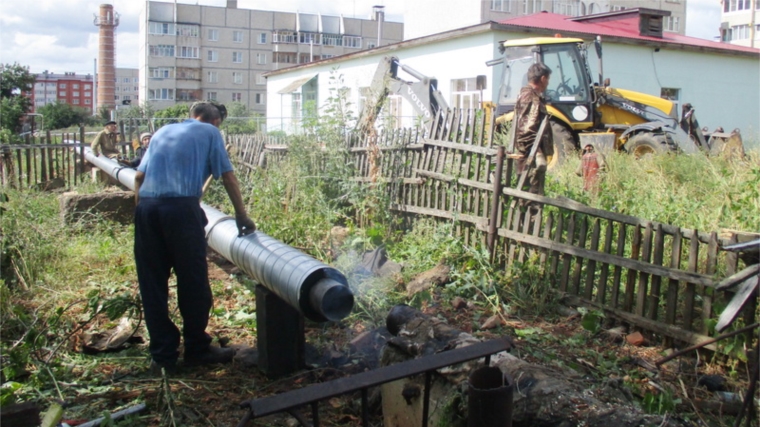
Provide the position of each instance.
(658, 277)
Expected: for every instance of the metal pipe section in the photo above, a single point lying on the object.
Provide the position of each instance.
(318, 291)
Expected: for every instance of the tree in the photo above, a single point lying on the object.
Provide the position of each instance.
(240, 119)
(14, 81)
(61, 115)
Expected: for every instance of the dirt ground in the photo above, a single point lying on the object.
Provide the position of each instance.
(210, 396)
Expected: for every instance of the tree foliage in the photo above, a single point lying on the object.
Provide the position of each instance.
(240, 119)
(14, 81)
(60, 115)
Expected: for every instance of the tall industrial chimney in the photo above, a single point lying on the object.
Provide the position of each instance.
(107, 21)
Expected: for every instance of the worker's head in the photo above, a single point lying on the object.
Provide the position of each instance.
(208, 112)
(145, 139)
(538, 76)
(588, 148)
(110, 126)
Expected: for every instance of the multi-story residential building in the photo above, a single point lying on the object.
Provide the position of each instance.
(739, 22)
(68, 88)
(421, 20)
(127, 87)
(191, 52)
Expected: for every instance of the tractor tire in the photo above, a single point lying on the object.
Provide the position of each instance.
(646, 144)
(564, 145)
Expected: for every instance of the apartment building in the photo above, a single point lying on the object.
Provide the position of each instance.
(126, 88)
(69, 88)
(739, 22)
(421, 20)
(192, 52)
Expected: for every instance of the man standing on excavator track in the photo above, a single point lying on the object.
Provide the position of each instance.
(530, 111)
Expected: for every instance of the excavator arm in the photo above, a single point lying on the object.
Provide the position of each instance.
(422, 94)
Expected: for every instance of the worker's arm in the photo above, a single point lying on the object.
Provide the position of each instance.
(96, 144)
(244, 223)
(139, 178)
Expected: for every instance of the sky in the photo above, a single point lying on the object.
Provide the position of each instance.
(59, 35)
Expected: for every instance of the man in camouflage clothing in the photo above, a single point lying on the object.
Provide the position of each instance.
(530, 111)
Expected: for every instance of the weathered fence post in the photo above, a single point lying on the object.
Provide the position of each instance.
(495, 202)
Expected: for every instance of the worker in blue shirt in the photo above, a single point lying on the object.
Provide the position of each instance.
(169, 233)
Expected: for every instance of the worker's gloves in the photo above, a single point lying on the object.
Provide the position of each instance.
(245, 225)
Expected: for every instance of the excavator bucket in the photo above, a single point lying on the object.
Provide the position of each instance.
(728, 145)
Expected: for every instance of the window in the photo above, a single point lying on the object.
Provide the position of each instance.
(75, 86)
(187, 30)
(237, 77)
(237, 57)
(284, 37)
(187, 52)
(126, 97)
(161, 28)
(262, 38)
(161, 94)
(371, 45)
(86, 87)
(737, 5)
(136, 80)
(285, 58)
(501, 5)
(568, 8)
(296, 106)
(464, 93)
(531, 7)
(740, 32)
(308, 38)
(260, 79)
(566, 84)
(237, 36)
(116, 97)
(125, 80)
(332, 40)
(161, 50)
(213, 77)
(237, 96)
(211, 96)
(75, 101)
(213, 35)
(62, 86)
(116, 88)
(87, 101)
(259, 98)
(88, 94)
(261, 58)
(62, 94)
(327, 56)
(213, 56)
(136, 88)
(352, 41)
(672, 24)
(671, 94)
(161, 72)
(76, 94)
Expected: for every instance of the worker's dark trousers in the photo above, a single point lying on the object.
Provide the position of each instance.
(169, 233)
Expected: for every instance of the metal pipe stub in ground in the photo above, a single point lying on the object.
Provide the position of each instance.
(490, 398)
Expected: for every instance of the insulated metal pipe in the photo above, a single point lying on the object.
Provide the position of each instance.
(318, 291)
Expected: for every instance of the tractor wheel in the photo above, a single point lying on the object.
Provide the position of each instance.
(646, 144)
(564, 145)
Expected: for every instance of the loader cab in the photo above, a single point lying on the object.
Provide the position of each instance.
(569, 90)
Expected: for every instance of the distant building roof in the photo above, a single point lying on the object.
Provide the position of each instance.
(621, 25)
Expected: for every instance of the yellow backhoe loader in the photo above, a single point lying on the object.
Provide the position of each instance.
(642, 124)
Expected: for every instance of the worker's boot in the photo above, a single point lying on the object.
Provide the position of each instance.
(210, 356)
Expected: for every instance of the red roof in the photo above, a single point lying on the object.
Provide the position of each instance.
(622, 25)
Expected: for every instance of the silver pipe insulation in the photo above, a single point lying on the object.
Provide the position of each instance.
(318, 291)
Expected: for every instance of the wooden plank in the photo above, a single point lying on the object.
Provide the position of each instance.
(557, 240)
(707, 293)
(20, 169)
(479, 222)
(547, 236)
(588, 292)
(690, 291)
(566, 257)
(731, 312)
(736, 278)
(43, 166)
(564, 202)
(601, 292)
(631, 277)
(578, 268)
(648, 324)
(671, 303)
(657, 258)
(459, 146)
(643, 284)
(525, 230)
(732, 258)
(31, 166)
